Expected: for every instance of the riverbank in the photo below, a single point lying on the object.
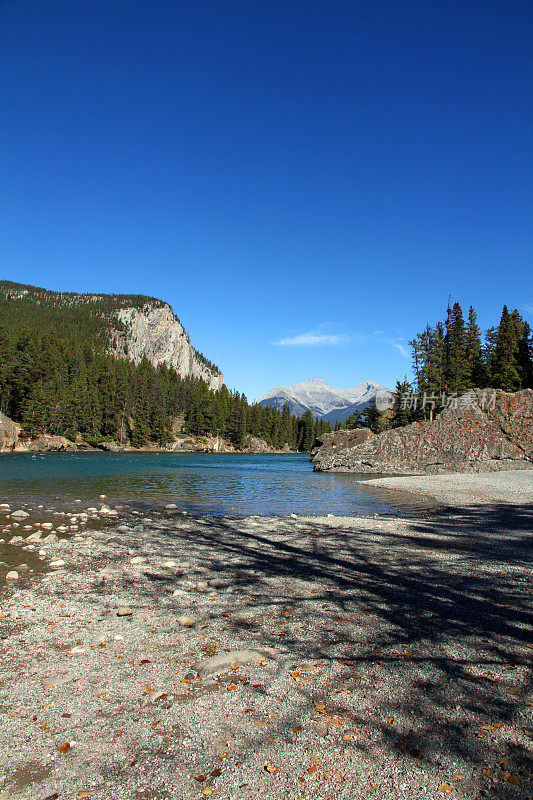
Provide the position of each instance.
(178, 657)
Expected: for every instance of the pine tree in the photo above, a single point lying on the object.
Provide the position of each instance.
(457, 365)
(505, 369)
(475, 375)
(372, 418)
(401, 414)
(525, 357)
(355, 420)
(307, 432)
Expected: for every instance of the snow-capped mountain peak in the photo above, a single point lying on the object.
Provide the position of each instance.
(323, 400)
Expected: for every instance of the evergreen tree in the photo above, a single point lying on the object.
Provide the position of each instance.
(355, 420)
(475, 373)
(525, 357)
(457, 365)
(307, 432)
(401, 414)
(505, 368)
(372, 418)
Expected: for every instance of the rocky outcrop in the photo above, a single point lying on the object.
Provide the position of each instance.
(155, 332)
(201, 444)
(337, 439)
(10, 435)
(254, 444)
(12, 438)
(488, 431)
(47, 443)
(216, 444)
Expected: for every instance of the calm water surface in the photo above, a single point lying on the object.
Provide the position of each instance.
(230, 484)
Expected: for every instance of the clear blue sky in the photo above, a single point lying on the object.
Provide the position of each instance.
(305, 182)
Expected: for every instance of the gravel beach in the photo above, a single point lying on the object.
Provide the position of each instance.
(466, 489)
(166, 656)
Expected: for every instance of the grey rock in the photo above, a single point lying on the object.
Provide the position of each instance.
(221, 663)
(489, 430)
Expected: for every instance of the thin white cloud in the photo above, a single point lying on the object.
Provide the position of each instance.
(528, 308)
(378, 333)
(311, 339)
(399, 347)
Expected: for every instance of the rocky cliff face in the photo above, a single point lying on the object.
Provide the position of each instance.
(476, 437)
(155, 332)
(131, 326)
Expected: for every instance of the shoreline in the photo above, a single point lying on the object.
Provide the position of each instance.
(337, 657)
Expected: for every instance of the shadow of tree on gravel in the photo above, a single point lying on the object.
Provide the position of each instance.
(427, 634)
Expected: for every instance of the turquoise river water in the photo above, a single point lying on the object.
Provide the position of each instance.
(230, 484)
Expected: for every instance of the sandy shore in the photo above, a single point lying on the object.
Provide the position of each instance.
(375, 658)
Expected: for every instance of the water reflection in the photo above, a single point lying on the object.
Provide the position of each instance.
(214, 483)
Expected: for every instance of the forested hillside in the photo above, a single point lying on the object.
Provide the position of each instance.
(57, 376)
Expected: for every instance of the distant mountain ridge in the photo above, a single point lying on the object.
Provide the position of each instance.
(324, 401)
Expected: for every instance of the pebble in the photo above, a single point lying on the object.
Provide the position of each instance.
(216, 583)
(12, 575)
(19, 514)
(138, 560)
(47, 525)
(58, 562)
(170, 506)
(187, 622)
(126, 611)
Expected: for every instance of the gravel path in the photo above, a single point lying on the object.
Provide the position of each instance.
(378, 658)
(466, 489)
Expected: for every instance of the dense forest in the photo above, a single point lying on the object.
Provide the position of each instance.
(57, 377)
